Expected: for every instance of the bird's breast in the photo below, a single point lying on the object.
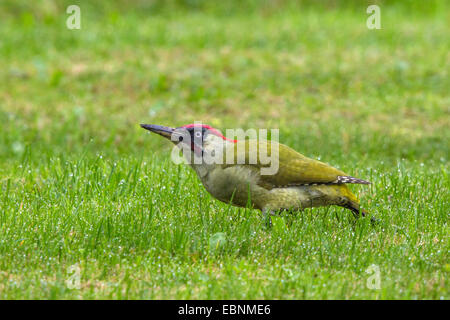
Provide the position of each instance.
(233, 184)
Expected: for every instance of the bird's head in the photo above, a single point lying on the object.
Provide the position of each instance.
(194, 136)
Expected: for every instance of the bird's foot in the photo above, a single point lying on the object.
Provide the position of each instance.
(267, 218)
(374, 221)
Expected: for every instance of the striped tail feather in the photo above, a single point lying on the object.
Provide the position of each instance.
(348, 179)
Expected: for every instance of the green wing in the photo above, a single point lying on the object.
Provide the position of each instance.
(293, 167)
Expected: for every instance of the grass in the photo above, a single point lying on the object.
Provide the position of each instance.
(82, 185)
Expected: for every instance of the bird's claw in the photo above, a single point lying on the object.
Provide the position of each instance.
(267, 218)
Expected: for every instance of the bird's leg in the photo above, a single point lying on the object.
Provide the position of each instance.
(267, 217)
(291, 216)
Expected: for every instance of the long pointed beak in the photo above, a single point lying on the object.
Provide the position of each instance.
(166, 132)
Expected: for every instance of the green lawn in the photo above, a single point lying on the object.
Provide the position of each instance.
(84, 190)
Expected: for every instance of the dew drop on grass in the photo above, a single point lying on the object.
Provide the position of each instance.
(18, 147)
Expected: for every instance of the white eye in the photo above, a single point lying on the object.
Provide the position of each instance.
(198, 134)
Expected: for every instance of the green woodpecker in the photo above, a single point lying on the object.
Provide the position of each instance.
(298, 183)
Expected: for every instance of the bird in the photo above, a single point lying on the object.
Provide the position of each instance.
(299, 182)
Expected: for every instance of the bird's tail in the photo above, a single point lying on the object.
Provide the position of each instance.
(348, 179)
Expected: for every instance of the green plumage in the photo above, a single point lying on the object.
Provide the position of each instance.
(294, 168)
(295, 182)
(299, 183)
